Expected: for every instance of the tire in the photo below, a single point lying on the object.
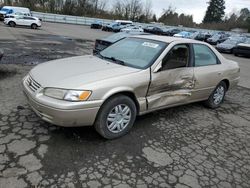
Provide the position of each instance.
(12, 24)
(234, 52)
(116, 117)
(34, 26)
(220, 91)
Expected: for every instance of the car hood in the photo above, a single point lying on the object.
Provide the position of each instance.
(76, 72)
(226, 46)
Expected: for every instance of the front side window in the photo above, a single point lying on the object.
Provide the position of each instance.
(135, 52)
(177, 57)
(204, 56)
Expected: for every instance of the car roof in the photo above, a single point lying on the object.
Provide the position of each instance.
(118, 36)
(166, 39)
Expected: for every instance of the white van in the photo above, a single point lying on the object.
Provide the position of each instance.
(10, 10)
(124, 22)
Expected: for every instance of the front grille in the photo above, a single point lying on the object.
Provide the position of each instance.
(32, 84)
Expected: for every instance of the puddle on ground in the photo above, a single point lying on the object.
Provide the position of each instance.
(6, 73)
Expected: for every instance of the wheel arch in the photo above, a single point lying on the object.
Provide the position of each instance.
(227, 82)
(127, 92)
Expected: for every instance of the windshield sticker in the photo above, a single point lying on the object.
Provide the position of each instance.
(150, 45)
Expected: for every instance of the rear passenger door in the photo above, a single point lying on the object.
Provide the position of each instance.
(207, 71)
(28, 21)
(20, 20)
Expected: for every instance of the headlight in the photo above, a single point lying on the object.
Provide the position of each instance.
(68, 95)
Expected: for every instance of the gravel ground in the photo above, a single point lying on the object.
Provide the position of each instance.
(187, 146)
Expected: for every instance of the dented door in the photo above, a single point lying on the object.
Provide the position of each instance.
(170, 87)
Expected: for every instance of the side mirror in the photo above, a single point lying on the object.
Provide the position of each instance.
(158, 67)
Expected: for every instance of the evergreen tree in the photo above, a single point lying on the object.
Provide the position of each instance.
(215, 11)
(155, 18)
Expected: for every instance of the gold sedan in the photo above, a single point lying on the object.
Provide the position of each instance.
(134, 76)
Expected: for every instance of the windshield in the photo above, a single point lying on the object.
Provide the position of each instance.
(5, 9)
(134, 52)
(8, 11)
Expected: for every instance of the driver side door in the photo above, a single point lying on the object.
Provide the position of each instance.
(173, 83)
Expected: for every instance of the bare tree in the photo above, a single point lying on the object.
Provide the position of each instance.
(148, 10)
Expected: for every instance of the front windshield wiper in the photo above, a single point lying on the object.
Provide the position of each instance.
(112, 59)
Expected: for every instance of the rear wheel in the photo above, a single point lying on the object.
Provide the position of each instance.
(116, 117)
(12, 24)
(34, 26)
(217, 97)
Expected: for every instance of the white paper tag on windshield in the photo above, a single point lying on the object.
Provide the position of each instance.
(150, 45)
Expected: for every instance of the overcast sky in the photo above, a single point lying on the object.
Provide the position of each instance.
(196, 7)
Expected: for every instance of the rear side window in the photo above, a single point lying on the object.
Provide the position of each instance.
(29, 18)
(204, 56)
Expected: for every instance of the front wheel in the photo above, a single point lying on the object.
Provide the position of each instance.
(116, 117)
(217, 97)
(12, 24)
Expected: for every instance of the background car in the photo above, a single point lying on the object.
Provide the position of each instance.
(28, 21)
(183, 34)
(229, 45)
(96, 25)
(201, 36)
(171, 31)
(218, 38)
(132, 29)
(242, 49)
(153, 30)
(117, 28)
(117, 25)
(101, 44)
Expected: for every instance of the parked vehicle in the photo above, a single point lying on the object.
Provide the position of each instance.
(117, 25)
(132, 29)
(201, 36)
(105, 27)
(28, 21)
(117, 28)
(101, 44)
(229, 45)
(153, 30)
(171, 32)
(242, 49)
(134, 76)
(183, 34)
(96, 25)
(218, 38)
(148, 29)
(9, 10)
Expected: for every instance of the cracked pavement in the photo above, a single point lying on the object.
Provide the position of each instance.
(186, 146)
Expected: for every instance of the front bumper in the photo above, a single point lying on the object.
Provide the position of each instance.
(62, 113)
